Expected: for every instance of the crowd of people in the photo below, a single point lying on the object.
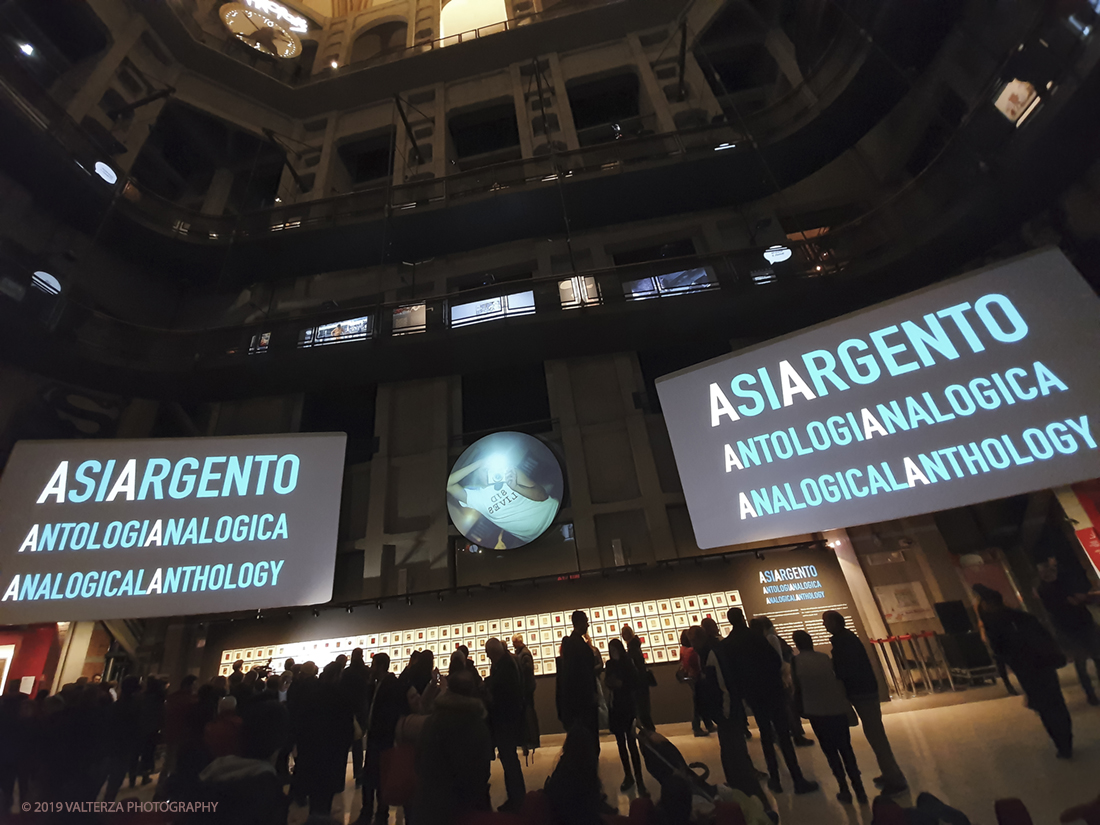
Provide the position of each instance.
(424, 739)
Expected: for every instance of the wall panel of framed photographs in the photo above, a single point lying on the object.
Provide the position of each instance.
(657, 623)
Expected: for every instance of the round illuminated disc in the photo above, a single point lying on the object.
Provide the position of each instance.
(259, 31)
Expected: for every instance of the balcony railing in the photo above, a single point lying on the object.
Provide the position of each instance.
(210, 34)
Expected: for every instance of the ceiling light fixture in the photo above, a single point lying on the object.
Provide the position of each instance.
(27, 49)
(46, 282)
(106, 172)
(777, 254)
(334, 64)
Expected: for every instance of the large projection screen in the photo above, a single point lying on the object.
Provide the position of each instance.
(111, 529)
(977, 388)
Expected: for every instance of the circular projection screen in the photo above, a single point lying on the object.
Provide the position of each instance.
(505, 491)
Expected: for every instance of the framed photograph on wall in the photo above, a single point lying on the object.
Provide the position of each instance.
(533, 637)
(733, 598)
(660, 655)
(673, 654)
(506, 626)
(719, 600)
(637, 609)
(653, 623)
(678, 606)
(494, 627)
(682, 621)
(545, 619)
(547, 635)
(547, 651)
(538, 668)
(650, 608)
(433, 634)
(550, 666)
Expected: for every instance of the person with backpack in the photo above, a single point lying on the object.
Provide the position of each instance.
(1029, 649)
(721, 701)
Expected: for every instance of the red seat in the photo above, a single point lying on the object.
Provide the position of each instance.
(728, 813)
(1011, 812)
(536, 809)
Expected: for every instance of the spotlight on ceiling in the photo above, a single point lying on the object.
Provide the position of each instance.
(27, 49)
(106, 172)
(333, 64)
(46, 282)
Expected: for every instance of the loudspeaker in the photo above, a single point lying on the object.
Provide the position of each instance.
(953, 617)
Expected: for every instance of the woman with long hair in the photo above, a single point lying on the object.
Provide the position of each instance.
(622, 680)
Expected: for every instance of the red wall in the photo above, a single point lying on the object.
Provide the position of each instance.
(36, 653)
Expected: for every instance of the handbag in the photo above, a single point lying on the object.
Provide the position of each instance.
(398, 774)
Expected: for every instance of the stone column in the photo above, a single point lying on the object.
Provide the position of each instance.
(75, 651)
(523, 119)
(104, 72)
(561, 104)
(324, 165)
(652, 88)
(649, 482)
(563, 408)
(217, 195)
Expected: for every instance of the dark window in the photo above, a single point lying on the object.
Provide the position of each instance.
(491, 129)
(504, 398)
(658, 362)
(608, 100)
(368, 159)
(345, 410)
(680, 248)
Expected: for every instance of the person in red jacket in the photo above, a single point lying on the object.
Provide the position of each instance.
(222, 737)
(689, 672)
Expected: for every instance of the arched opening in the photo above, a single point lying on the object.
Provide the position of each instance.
(380, 39)
(459, 16)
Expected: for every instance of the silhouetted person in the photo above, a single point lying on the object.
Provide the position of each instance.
(823, 701)
(758, 671)
(691, 671)
(621, 679)
(453, 755)
(176, 711)
(645, 679)
(1031, 652)
(853, 667)
(323, 741)
(354, 684)
(766, 628)
(573, 790)
(505, 693)
(720, 700)
(1067, 604)
(126, 736)
(526, 663)
(386, 706)
(246, 787)
(576, 683)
